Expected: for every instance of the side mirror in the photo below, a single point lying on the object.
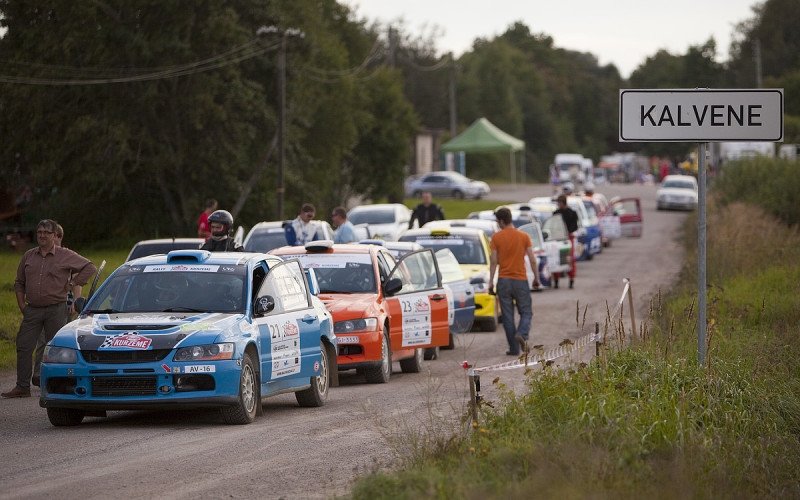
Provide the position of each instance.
(263, 305)
(546, 235)
(79, 304)
(392, 287)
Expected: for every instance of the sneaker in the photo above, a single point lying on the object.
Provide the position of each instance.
(523, 344)
(16, 393)
(512, 353)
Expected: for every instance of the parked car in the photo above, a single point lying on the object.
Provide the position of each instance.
(471, 249)
(487, 226)
(265, 236)
(192, 329)
(383, 310)
(588, 234)
(677, 192)
(163, 245)
(558, 246)
(446, 183)
(385, 220)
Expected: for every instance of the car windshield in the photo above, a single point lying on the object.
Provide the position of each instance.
(265, 241)
(372, 216)
(340, 272)
(448, 266)
(172, 288)
(679, 184)
(466, 248)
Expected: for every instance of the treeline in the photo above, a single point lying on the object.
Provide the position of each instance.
(123, 116)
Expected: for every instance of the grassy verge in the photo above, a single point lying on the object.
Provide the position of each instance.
(649, 420)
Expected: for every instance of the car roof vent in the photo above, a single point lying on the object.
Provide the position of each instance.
(188, 255)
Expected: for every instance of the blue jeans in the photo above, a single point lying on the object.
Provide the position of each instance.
(510, 291)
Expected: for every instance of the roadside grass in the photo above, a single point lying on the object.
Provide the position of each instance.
(645, 418)
(10, 316)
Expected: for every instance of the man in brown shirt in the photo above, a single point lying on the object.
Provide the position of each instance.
(41, 292)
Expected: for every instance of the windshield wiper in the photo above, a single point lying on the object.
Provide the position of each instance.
(100, 311)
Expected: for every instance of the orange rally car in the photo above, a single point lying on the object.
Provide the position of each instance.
(383, 310)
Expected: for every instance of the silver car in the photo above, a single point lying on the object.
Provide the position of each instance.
(678, 192)
(446, 184)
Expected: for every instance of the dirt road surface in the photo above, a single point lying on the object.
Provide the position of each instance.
(292, 452)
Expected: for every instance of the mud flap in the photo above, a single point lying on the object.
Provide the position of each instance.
(333, 365)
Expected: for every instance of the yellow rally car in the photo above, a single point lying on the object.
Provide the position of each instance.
(471, 249)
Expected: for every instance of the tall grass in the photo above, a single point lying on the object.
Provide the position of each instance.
(648, 419)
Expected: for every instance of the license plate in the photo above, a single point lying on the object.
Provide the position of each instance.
(201, 369)
(346, 340)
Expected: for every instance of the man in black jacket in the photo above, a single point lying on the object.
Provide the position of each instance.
(426, 211)
(220, 224)
(571, 221)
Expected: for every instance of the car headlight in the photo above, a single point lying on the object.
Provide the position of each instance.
(55, 354)
(206, 352)
(355, 325)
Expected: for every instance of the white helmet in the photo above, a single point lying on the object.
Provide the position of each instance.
(588, 188)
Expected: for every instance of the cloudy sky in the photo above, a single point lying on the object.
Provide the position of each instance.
(621, 32)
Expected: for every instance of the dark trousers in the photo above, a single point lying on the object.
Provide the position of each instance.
(34, 321)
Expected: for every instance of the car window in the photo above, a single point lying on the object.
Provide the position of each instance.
(555, 228)
(341, 272)
(679, 184)
(372, 216)
(264, 241)
(417, 272)
(172, 288)
(466, 248)
(448, 266)
(535, 235)
(145, 249)
(285, 283)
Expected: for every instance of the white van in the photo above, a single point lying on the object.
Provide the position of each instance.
(570, 167)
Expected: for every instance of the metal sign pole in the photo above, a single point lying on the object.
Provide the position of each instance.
(701, 253)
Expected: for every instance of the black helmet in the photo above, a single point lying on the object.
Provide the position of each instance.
(221, 217)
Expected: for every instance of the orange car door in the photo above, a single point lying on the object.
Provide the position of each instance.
(419, 310)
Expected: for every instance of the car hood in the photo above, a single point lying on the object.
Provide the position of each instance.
(147, 330)
(351, 306)
(677, 192)
(471, 270)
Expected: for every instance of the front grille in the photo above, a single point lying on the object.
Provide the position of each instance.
(350, 350)
(564, 255)
(125, 356)
(123, 386)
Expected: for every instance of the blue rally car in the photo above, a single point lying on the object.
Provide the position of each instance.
(193, 329)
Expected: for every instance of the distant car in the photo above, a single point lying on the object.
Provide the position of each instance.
(518, 217)
(448, 184)
(471, 249)
(383, 310)
(385, 220)
(487, 226)
(265, 236)
(558, 247)
(164, 245)
(542, 207)
(192, 329)
(677, 192)
(626, 213)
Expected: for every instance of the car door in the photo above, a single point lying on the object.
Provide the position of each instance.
(629, 212)
(289, 332)
(419, 310)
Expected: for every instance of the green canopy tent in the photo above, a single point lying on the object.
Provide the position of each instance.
(483, 137)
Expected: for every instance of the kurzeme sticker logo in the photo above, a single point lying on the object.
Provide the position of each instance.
(422, 305)
(290, 329)
(126, 341)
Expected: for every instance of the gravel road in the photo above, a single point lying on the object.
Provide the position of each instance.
(292, 452)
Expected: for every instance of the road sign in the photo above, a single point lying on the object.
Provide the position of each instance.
(701, 115)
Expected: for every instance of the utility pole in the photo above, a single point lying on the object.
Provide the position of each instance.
(757, 60)
(262, 31)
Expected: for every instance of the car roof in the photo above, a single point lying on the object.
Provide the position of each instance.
(377, 205)
(191, 256)
(466, 231)
(335, 248)
(169, 240)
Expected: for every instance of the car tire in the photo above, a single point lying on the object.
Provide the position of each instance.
(64, 417)
(430, 353)
(244, 412)
(414, 363)
(459, 195)
(489, 324)
(451, 345)
(318, 392)
(381, 373)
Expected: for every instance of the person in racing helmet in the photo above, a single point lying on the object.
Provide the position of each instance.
(567, 188)
(588, 189)
(220, 222)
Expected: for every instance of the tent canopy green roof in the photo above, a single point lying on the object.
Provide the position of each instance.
(483, 137)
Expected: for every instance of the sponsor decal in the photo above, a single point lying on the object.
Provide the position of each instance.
(176, 369)
(195, 326)
(290, 329)
(422, 305)
(127, 340)
(166, 368)
(316, 366)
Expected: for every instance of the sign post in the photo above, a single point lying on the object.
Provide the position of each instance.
(701, 115)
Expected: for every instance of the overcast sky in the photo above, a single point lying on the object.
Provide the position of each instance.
(621, 32)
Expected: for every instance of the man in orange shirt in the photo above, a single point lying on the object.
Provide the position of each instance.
(509, 247)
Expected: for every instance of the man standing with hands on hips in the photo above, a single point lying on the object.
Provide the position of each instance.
(509, 247)
(41, 292)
